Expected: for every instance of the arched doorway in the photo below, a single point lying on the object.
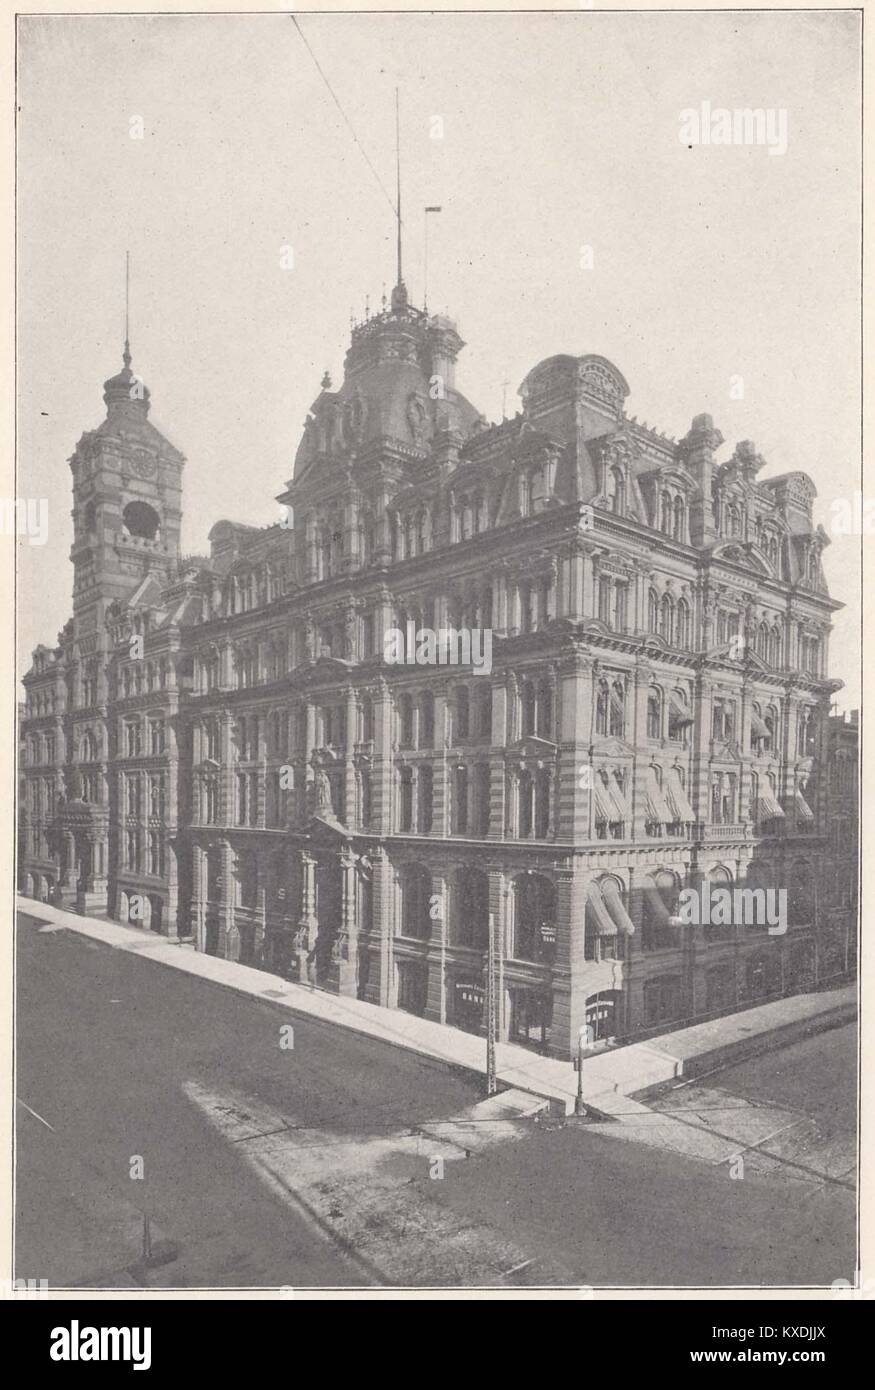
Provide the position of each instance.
(603, 1015)
(329, 911)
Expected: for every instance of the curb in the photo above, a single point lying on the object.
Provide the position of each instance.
(743, 1048)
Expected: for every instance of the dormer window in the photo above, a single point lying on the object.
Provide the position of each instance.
(615, 490)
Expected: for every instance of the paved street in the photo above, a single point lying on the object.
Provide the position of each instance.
(343, 1161)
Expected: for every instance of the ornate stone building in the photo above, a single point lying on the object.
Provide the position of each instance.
(217, 748)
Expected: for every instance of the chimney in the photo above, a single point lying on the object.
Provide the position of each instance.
(696, 450)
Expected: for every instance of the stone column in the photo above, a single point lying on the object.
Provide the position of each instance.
(345, 950)
(199, 896)
(569, 969)
(436, 1005)
(305, 937)
(380, 986)
(227, 924)
(349, 788)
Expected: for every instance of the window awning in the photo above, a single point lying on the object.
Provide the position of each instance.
(616, 907)
(758, 727)
(678, 710)
(657, 808)
(599, 917)
(803, 810)
(604, 806)
(618, 798)
(657, 906)
(768, 807)
(677, 798)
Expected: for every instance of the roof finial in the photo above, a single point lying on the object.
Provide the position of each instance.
(126, 355)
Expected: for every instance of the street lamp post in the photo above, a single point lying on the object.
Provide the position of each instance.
(579, 1107)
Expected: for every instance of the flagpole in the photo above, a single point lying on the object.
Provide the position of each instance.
(425, 258)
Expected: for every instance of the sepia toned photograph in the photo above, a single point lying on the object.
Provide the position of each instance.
(438, 518)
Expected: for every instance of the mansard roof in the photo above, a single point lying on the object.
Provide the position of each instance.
(397, 388)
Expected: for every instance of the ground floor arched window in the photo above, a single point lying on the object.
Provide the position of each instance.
(534, 917)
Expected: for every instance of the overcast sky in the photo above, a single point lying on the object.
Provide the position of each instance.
(559, 131)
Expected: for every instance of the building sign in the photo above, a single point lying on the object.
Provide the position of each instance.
(600, 1012)
(470, 994)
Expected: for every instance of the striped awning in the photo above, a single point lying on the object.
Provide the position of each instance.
(677, 798)
(758, 727)
(618, 797)
(657, 808)
(616, 907)
(679, 711)
(768, 807)
(604, 805)
(657, 906)
(597, 911)
(803, 810)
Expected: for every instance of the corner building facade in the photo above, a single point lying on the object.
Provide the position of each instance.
(217, 748)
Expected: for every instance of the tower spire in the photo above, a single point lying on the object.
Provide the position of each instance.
(400, 279)
(126, 355)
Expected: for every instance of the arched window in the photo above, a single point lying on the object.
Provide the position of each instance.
(762, 645)
(683, 624)
(426, 719)
(542, 803)
(654, 713)
(530, 707)
(534, 917)
(617, 713)
(526, 804)
(615, 490)
(720, 879)
(545, 709)
(415, 886)
(776, 647)
(679, 519)
(405, 721)
(469, 909)
(666, 618)
(462, 721)
(652, 611)
(601, 708)
(665, 514)
(141, 520)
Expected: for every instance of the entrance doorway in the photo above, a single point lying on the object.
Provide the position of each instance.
(602, 1015)
(468, 1004)
(412, 986)
(531, 1016)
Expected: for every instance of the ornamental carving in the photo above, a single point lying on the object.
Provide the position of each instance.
(417, 417)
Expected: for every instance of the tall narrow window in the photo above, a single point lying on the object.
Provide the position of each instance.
(405, 809)
(460, 800)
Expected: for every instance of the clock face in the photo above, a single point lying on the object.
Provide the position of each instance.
(144, 465)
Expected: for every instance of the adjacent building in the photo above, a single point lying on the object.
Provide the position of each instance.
(218, 749)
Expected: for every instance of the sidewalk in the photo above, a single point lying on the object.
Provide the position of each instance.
(609, 1077)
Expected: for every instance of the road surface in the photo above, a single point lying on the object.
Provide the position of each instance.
(339, 1161)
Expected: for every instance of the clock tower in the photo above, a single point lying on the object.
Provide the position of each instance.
(127, 495)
